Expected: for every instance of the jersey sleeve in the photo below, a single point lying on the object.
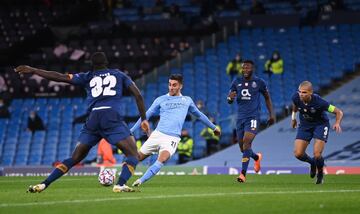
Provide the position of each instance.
(127, 81)
(233, 85)
(263, 87)
(78, 79)
(202, 117)
(294, 98)
(324, 105)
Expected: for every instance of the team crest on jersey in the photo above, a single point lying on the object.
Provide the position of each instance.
(312, 110)
(254, 84)
(246, 84)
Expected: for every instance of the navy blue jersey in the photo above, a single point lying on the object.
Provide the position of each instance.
(313, 112)
(248, 95)
(104, 88)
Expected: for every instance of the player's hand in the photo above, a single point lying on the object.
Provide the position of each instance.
(232, 95)
(217, 131)
(145, 127)
(271, 120)
(337, 127)
(294, 124)
(24, 69)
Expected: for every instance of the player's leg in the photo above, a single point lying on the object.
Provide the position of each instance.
(167, 147)
(250, 130)
(128, 147)
(247, 154)
(321, 133)
(154, 168)
(319, 160)
(301, 143)
(78, 155)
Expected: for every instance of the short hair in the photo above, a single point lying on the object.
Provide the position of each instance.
(306, 84)
(249, 62)
(177, 77)
(99, 59)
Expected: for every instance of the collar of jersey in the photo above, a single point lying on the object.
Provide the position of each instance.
(174, 96)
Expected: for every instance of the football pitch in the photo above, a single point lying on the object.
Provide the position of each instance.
(186, 194)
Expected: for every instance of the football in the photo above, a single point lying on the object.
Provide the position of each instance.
(106, 177)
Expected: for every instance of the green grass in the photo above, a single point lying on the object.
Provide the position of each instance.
(187, 194)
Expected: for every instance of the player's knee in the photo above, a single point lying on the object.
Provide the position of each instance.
(245, 146)
(298, 154)
(317, 155)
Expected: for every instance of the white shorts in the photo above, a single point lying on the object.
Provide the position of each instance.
(158, 142)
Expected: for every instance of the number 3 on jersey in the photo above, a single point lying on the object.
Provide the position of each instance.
(102, 86)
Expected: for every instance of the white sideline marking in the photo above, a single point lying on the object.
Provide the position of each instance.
(171, 196)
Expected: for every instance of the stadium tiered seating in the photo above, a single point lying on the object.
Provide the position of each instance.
(313, 53)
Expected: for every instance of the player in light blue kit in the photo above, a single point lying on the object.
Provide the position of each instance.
(104, 89)
(172, 108)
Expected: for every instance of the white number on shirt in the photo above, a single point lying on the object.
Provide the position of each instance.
(253, 124)
(97, 84)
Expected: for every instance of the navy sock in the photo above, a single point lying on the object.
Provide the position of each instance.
(306, 158)
(245, 160)
(59, 171)
(253, 155)
(127, 170)
(319, 162)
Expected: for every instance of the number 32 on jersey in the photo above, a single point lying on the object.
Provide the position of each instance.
(100, 86)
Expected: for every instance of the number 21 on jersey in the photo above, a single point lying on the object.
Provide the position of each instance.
(100, 86)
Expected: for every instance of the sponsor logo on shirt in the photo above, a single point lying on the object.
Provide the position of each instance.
(245, 94)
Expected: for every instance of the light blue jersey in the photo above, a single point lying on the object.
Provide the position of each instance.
(173, 111)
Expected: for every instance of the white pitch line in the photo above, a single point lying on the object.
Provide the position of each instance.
(171, 196)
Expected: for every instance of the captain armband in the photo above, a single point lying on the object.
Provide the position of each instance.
(331, 108)
(293, 115)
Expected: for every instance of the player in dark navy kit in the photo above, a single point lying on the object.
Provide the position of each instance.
(246, 90)
(104, 89)
(314, 123)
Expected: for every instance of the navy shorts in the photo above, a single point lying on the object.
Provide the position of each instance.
(318, 131)
(104, 123)
(249, 124)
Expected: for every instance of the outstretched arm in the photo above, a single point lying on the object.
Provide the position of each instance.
(141, 107)
(203, 118)
(269, 107)
(50, 75)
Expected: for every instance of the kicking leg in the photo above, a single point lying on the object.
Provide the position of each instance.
(154, 169)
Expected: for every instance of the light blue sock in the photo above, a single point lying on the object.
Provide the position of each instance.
(151, 171)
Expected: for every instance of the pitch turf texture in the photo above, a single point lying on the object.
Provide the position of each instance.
(187, 194)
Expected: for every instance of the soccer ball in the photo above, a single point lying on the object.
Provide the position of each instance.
(106, 177)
